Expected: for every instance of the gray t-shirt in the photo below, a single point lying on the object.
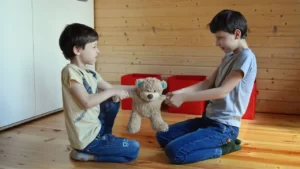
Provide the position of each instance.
(229, 110)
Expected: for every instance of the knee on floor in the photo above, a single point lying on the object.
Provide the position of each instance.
(160, 137)
(134, 149)
(115, 107)
(109, 105)
(174, 154)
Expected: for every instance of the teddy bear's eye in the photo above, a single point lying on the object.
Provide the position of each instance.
(154, 91)
(148, 90)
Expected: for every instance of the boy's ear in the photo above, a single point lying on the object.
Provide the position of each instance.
(164, 84)
(238, 34)
(76, 50)
(138, 82)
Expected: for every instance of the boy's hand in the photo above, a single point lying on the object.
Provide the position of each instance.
(177, 99)
(120, 93)
(123, 95)
(168, 97)
(174, 99)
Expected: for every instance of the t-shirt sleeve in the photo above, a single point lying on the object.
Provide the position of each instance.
(71, 74)
(243, 63)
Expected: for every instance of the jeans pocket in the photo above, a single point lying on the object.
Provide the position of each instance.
(230, 133)
(234, 132)
(223, 128)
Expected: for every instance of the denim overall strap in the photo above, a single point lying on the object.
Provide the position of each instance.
(89, 90)
(85, 83)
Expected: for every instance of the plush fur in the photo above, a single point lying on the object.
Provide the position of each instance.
(146, 103)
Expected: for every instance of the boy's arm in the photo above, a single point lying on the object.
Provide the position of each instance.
(103, 85)
(229, 83)
(90, 100)
(206, 84)
(240, 69)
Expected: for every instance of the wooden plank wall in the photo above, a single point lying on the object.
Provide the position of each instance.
(171, 37)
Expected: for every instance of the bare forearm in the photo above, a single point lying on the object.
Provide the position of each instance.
(196, 87)
(97, 98)
(128, 88)
(210, 94)
(103, 85)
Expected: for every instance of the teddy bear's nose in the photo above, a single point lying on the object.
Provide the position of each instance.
(150, 96)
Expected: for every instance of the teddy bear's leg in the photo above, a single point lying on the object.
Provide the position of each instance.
(134, 123)
(158, 123)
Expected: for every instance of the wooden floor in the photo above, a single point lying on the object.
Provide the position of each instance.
(269, 142)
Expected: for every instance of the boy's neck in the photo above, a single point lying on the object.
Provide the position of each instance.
(242, 45)
(78, 63)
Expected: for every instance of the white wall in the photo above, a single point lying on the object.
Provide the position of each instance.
(30, 59)
(17, 97)
(49, 19)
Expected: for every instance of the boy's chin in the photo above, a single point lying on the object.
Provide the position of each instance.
(92, 62)
(226, 50)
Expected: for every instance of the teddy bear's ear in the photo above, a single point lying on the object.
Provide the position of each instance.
(164, 84)
(138, 82)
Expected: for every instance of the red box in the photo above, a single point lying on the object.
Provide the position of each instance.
(250, 112)
(130, 79)
(181, 81)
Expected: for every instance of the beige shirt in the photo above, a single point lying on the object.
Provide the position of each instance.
(82, 125)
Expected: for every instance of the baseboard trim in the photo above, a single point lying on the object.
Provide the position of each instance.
(30, 119)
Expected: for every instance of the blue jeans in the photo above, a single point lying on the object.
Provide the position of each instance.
(195, 140)
(107, 147)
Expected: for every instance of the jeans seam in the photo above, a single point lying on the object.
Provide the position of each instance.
(88, 148)
(185, 145)
(196, 141)
(216, 152)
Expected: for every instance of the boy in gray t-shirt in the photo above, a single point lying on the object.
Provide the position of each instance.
(228, 89)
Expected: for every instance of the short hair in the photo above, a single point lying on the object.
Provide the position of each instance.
(229, 21)
(78, 35)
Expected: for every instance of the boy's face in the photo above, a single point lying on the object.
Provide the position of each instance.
(226, 41)
(89, 53)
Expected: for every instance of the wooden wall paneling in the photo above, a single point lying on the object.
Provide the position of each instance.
(171, 37)
(132, 4)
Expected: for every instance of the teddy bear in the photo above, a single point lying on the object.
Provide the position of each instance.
(146, 103)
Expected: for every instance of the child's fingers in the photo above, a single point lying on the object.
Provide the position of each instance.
(170, 94)
(167, 100)
(124, 95)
